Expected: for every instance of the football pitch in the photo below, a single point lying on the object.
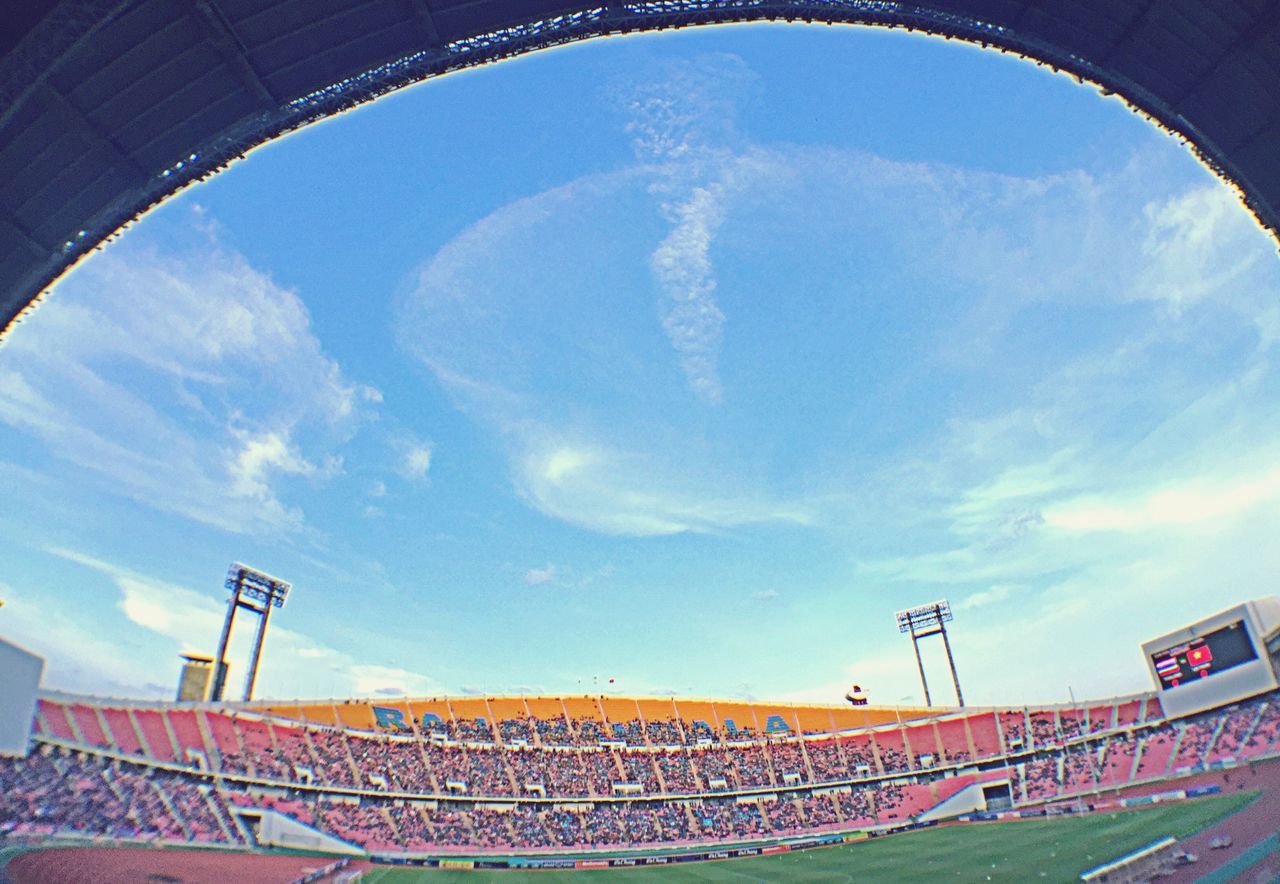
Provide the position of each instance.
(1050, 850)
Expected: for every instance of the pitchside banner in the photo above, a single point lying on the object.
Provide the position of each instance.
(19, 680)
(620, 862)
(626, 862)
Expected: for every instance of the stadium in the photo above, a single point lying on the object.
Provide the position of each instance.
(111, 108)
(611, 782)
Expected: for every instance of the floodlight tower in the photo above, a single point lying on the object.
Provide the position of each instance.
(247, 586)
(922, 622)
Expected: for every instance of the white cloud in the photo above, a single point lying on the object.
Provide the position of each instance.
(1187, 246)
(617, 492)
(603, 573)
(258, 456)
(1179, 504)
(540, 576)
(514, 358)
(764, 595)
(417, 461)
(681, 121)
(183, 378)
(997, 593)
(691, 317)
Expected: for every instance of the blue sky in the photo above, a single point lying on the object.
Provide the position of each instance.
(684, 360)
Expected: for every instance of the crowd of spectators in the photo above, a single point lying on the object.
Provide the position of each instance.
(665, 733)
(92, 795)
(1014, 727)
(1079, 770)
(1070, 723)
(1195, 740)
(819, 810)
(855, 806)
(48, 792)
(630, 732)
(411, 823)
(554, 732)
(677, 771)
(1043, 731)
(1266, 732)
(516, 729)
(894, 760)
(783, 816)
(1235, 730)
(826, 760)
(731, 819)
(59, 790)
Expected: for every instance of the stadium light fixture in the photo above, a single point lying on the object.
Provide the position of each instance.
(257, 592)
(925, 616)
(923, 621)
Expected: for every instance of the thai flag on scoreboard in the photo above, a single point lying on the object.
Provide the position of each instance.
(1168, 667)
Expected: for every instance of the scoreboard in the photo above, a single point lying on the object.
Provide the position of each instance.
(1204, 656)
(1231, 656)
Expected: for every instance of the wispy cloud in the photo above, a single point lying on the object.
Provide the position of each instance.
(618, 492)
(417, 461)
(997, 593)
(1018, 392)
(198, 399)
(528, 358)
(682, 121)
(691, 317)
(1181, 503)
(540, 576)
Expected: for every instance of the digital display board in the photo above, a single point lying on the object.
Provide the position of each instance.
(1204, 655)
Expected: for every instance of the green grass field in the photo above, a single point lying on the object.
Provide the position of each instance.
(1032, 850)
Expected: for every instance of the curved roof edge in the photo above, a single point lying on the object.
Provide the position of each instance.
(68, 35)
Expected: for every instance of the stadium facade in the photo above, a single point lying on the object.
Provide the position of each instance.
(108, 107)
(512, 780)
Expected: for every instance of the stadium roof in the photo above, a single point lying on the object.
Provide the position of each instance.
(109, 107)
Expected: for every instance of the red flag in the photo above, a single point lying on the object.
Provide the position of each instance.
(1201, 656)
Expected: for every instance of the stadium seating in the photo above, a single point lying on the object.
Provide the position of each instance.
(1266, 732)
(1155, 752)
(953, 733)
(1119, 756)
(892, 748)
(52, 720)
(568, 781)
(1101, 718)
(1129, 713)
(155, 733)
(986, 735)
(124, 733)
(1013, 726)
(89, 725)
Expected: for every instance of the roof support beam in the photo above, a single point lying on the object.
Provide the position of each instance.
(1128, 31)
(1022, 15)
(426, 21)
(1260, 27)
(27, 240)
(1253, 136)
(233, 51)
(77, 121)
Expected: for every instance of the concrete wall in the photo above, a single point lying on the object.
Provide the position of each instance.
(20, 672)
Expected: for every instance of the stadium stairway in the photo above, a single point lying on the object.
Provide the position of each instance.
(164, 799)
